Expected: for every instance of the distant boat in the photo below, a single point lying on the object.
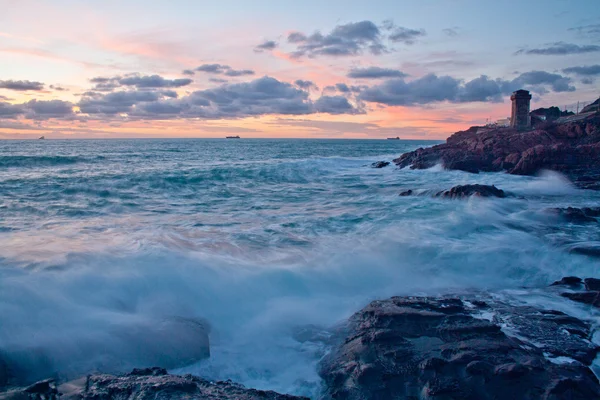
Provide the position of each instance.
(232, 137)
(41, 138)
(394, 138)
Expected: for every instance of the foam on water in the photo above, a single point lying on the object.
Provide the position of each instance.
(258, 238)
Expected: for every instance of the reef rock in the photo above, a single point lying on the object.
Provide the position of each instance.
(572, 148)
(143, 384)
(462, 191)
(458, 348)
(578, 215)
(380, 164)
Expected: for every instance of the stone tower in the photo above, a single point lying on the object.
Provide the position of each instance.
(520, 118)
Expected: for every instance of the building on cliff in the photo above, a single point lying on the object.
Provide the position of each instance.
(520, 118)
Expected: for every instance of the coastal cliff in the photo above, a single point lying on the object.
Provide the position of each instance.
(571, 147)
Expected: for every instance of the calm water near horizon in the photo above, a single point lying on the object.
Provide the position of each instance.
(257, 237)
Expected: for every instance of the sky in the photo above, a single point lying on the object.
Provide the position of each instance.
(287, 69)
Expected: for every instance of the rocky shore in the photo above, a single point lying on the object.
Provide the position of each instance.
(572, 148)
(474, 345)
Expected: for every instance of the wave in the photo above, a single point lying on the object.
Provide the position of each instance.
(37, 161)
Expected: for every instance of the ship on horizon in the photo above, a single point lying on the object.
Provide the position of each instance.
(394, 138)
(232, 137)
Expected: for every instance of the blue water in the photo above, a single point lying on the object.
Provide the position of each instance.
(257, 237)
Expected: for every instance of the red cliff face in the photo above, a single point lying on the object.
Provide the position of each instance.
(571, 148)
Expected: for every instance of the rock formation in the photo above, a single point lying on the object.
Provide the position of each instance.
(571, 148)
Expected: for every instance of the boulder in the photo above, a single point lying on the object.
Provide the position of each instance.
(458, 348)
(406, 193)
(380, 164)
(462, 191)
(577, 215)
(568, 281)
(143, 384)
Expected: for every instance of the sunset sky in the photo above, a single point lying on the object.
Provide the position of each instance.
(315, 69)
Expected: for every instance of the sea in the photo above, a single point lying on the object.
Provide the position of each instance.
(258, 238)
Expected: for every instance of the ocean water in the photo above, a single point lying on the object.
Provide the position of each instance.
(255, 237)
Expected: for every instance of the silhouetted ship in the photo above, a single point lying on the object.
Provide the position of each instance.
(41, 138)
(394, 138)
(232, 137)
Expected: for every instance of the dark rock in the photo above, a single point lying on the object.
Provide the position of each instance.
(472, 190)
(426, 347)
(380, 164)
(406, 193)
(568, 281)
(591, 297)
(577, 215)
(586, 250)
(592, 284)
(144, 384)
(572, 148)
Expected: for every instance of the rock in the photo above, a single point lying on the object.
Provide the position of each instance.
(45, 390)
(406, 193)
(443, 348)
(589, 297)
(592, 284)
(568, 281)
(572, 148)
(145, 384)
(173, 343)
(595, 106)
(380, 164)
(577, 215)
(462, 191)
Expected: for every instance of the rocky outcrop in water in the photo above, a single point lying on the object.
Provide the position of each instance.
(458, 348)
(578, 215)
(571, 148)
(585, 291)
(142, 384)
(462, 191)
(380, 164)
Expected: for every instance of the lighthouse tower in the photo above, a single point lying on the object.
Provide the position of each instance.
(520, 118)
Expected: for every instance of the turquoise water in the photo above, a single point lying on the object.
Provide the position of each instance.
(257, 237)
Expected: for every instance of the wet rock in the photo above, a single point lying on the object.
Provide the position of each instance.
(572, 148)
(568, 281)
(590, 297)
(406, 193)
(380, 164)
(462, 191)
(577, 215)
(592, 284)
(442, 347)
(144, 384)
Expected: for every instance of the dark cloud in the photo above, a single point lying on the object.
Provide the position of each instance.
(170, 93)
(335, 105)
(188, 72)
(218, 80)
(306, 85)
(588, 70)
(220, 69)
(561, 49)
(115, 102)
(259, 97)
(40, 109)
(432, 89)
(58, 88)
(344, 40)
(4, 98)
(153, 81)
(267, 45)
(375, 73)
(344, 88)
(21, 85)
(10, 111)
(587, 81)
(100, 79)
(406, 35)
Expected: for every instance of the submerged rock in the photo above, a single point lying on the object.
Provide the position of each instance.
(578, 215)
(380, 164)
(406, 193)
(143, 384)
(571, 148)
(462, 191)
(459, 348)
